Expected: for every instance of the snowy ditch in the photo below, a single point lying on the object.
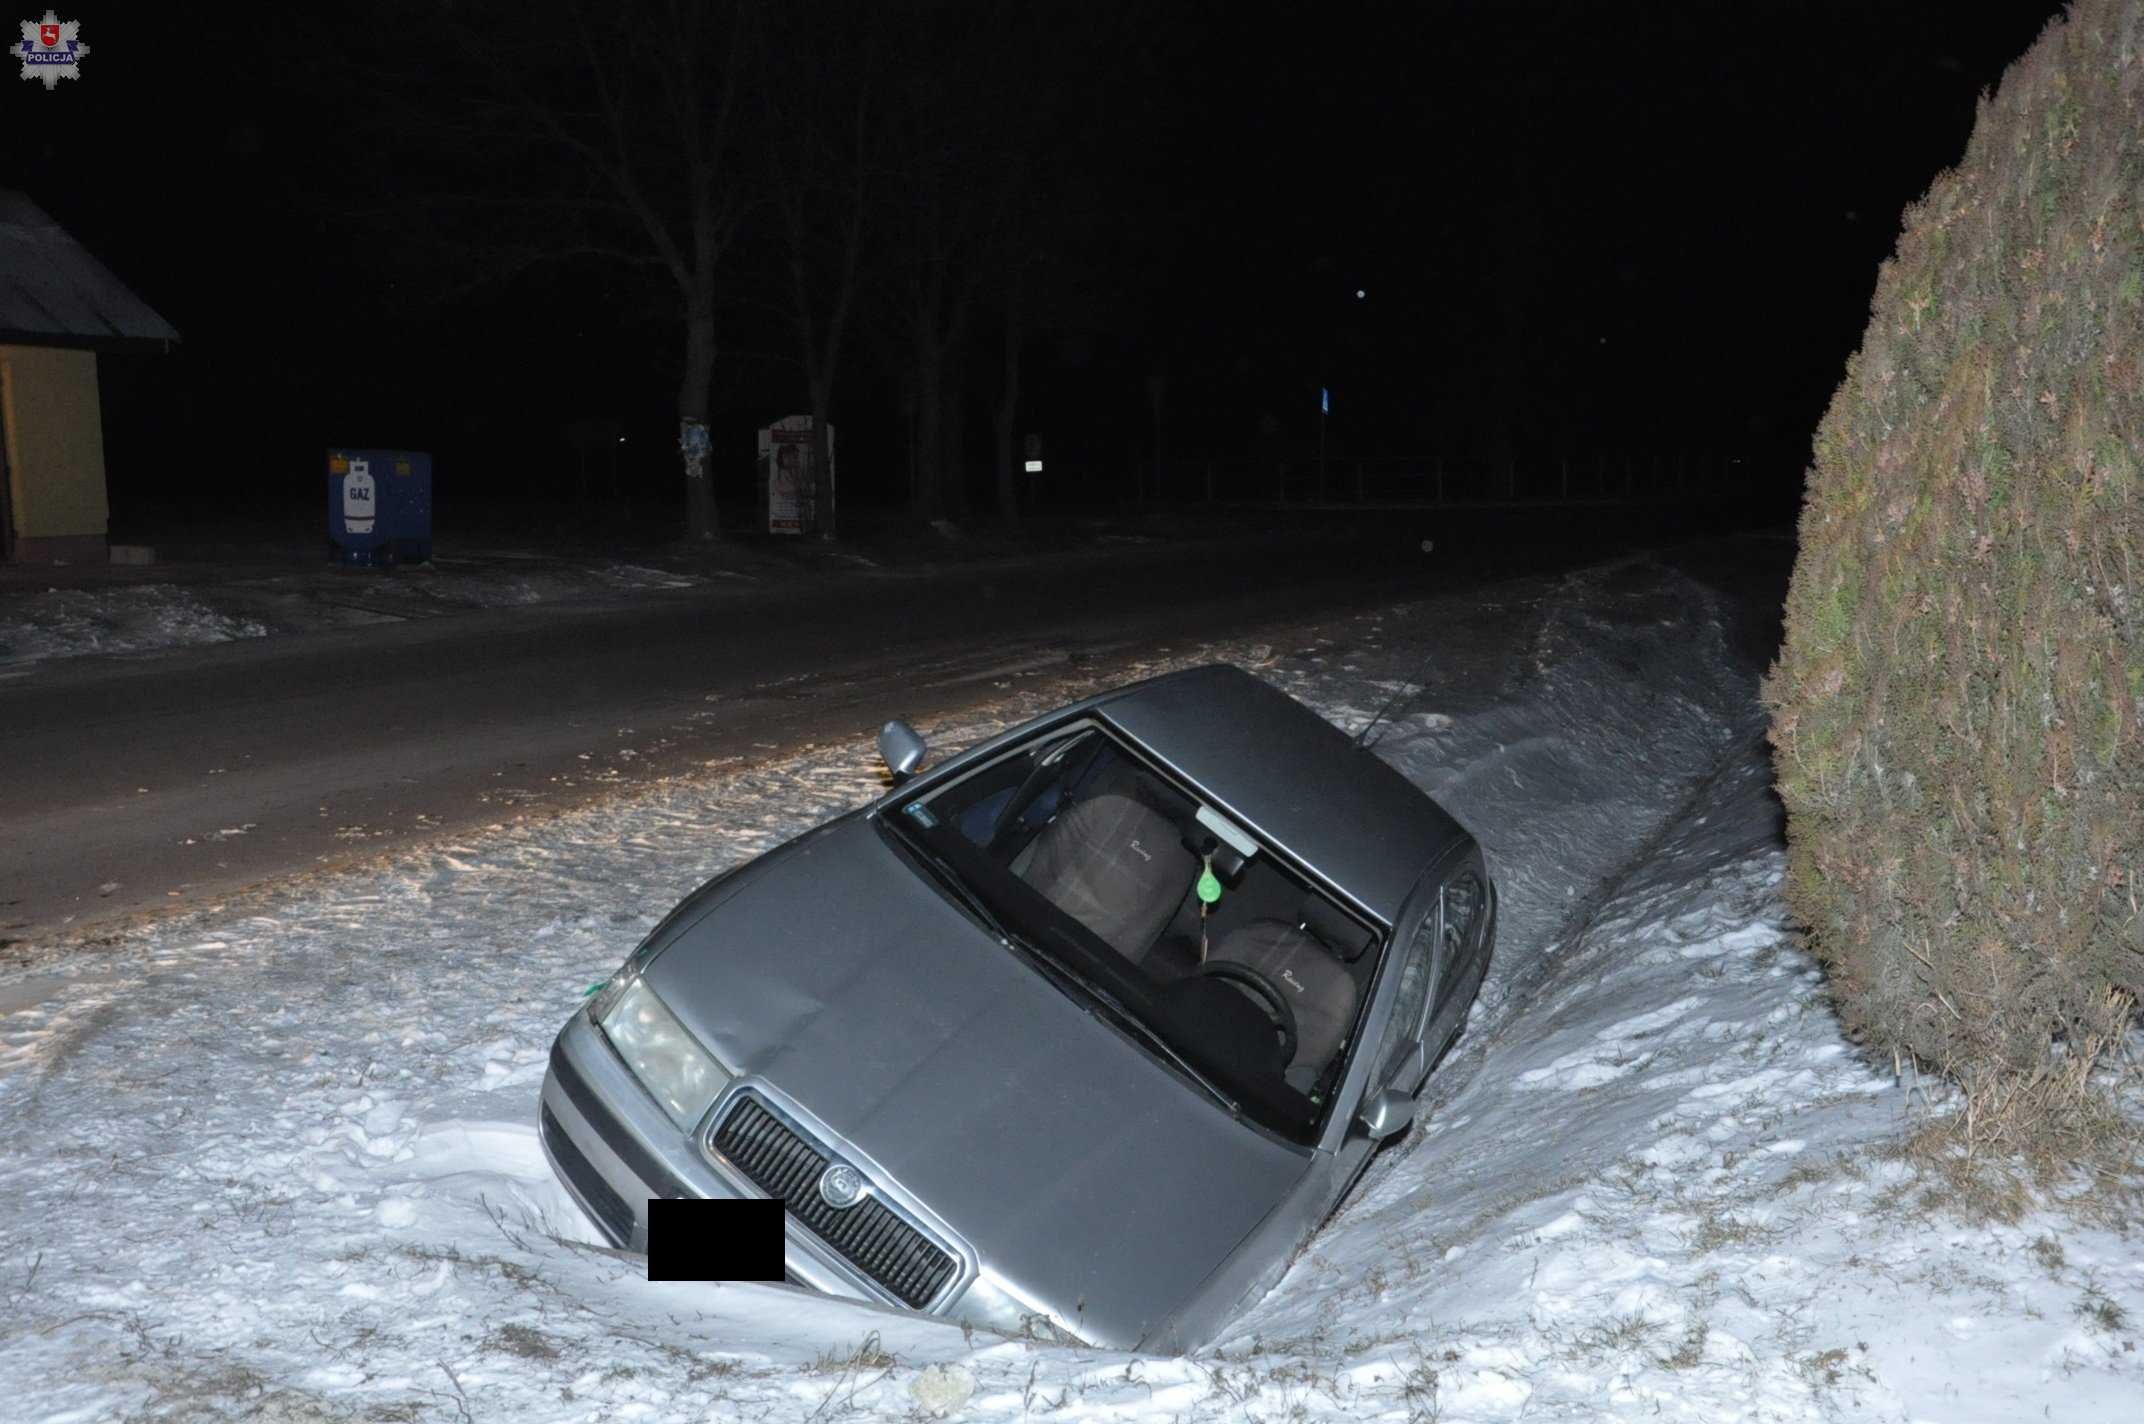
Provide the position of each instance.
(278, 1160)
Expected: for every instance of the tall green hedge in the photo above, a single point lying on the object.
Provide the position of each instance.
(1956, 709)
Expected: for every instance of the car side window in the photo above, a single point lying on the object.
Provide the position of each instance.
(981, 804)
(1462, 902)
(1409, 1003)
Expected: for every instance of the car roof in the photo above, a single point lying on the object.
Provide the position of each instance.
(1293, 779)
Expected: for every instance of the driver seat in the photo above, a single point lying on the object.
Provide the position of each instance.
(1297, 963)
(1116, 865)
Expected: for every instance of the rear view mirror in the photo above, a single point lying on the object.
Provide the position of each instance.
(901, 748)
(1386, 1114)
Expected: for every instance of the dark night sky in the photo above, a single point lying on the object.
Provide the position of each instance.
(1580, 228)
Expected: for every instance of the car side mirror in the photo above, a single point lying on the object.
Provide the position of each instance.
(1386, 1114)
(902, 749)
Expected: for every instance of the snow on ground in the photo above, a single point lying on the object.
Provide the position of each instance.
(37, 625)
(500, 580)
(278, 1161)
(68, 622)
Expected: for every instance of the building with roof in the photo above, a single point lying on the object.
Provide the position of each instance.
(59, 308)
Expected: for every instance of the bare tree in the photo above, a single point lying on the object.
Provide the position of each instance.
(1005, 426)
(546, 131)
(1043, 230)
(595, 441)
(943, 225)
(962, 136)
(820, 86)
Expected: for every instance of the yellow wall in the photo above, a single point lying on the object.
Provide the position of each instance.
(55, 442)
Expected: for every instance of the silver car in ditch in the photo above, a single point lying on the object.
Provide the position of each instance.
(1084, 1031)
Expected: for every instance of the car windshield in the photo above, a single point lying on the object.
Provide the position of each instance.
(1157, 913)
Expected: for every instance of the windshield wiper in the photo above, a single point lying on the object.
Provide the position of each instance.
(1166, 1049)
(949, 878)
(947, 874)
(1126, 1018)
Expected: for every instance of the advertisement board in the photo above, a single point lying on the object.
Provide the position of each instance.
(788, 486)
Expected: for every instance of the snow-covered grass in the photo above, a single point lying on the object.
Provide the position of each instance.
(70, 622)
(277, 1160)
(38, 625)
(498, 580)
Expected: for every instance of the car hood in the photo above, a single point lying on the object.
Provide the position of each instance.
(1081, 1171)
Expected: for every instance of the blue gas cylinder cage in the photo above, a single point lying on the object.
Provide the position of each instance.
(380, 506)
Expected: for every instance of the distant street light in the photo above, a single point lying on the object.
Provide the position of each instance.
(1325, 397)
(1325, 408)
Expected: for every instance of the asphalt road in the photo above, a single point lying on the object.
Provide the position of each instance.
(132, 784)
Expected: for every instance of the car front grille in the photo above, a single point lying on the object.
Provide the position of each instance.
(869, 1235)
(612, 1212)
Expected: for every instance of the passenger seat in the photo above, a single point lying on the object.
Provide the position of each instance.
(1116, 865)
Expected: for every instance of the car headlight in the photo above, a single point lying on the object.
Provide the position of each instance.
(669, 1062)
(604, 996)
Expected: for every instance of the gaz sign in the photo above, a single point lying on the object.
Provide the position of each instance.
(358, 505)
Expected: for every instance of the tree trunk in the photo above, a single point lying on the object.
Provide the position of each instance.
(954, 432)
(1157, 396)
(929, 500)
(693, 396)
(941, 322)
(908, 423)
(822, 401)
(1008, 412)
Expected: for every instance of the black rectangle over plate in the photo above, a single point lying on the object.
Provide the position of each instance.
(723, 1240)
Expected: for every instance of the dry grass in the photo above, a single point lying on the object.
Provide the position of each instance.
(1690, 1350)
(2101, 1311)
(1619, 1335)
(1827, 1369)
(868, 1357)
(2055, 1134)
(524, 1341)
(1418, 1393)
(1718, 1227)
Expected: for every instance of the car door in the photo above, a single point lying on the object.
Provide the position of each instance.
(1462, 957)
(1396, 1057)
(1443, 953)
(1399, 1052)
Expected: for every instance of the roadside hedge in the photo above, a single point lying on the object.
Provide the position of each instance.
(1956, 707)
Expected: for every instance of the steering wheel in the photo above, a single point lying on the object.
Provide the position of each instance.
(1266, 993)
